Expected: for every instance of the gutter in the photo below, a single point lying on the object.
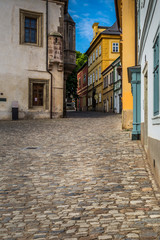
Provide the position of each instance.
(136, 33)
(117, 13)
(47, 58)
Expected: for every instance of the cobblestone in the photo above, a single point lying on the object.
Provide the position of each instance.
(79, 178)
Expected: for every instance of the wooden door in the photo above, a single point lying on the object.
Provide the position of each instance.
(38, 89)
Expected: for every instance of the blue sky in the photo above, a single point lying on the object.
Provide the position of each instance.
(85, 13)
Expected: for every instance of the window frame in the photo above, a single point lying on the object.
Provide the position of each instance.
(84, 79)
(100, 50)
(96, 75)
(93, 77)
(116, 43)
(93, 56)
(100, 97)
(32, 81)
(39, 17)
(156, 77)
(100, 72)
(96, 53)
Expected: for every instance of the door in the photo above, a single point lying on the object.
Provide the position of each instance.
(107, 105)
(146, 109)
(38, 89)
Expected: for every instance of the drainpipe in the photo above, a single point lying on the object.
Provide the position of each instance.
(47, 57)
(136, 33)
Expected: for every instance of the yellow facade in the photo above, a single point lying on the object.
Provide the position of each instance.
(100, 56)
(108, 94)
(125, 10)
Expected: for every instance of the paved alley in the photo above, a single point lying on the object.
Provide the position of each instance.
(79, 178)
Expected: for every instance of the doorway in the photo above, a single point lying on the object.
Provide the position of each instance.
(146, 109)
(38, 89)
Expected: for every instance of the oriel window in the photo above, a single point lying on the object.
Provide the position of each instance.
(30, 30)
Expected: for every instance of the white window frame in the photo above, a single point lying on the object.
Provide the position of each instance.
(114, 47)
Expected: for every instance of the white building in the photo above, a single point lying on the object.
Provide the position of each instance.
(149, 59)
(33, 63)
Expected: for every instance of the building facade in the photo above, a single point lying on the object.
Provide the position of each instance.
(82, 88)
(149, 59)
(117, 86)
(33, 62)
(108, 89)
(103, 50)
(126, 12)
(112, 87)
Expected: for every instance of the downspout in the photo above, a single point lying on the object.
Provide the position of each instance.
(136, 33)
(47, 58)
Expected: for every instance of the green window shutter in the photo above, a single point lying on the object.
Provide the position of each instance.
(156, 77)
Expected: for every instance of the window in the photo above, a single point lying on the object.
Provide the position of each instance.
(70, 37)
(84, 79)
(93, 77)
(96, 75)
(99, 72)
(38, 93)
(93, 56)
(111, 78)
(96, 53)
(79, 83)
(90, 79)
(90, 100)
(104, 82)
(30, 28)
(107, 81)
(115, 47)
(90, 60)
(100, 97)
(30, 32)
(99, 50)
(156, 77)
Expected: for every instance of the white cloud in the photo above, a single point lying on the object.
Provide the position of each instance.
(75, 16)
(84, 28)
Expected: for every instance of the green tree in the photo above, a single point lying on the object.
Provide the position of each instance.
(71, 85)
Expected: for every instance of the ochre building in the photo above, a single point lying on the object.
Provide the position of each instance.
(125, 11)
(103, 50)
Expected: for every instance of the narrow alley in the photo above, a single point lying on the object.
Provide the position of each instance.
(79, 178)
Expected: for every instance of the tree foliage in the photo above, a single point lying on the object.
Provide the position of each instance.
(71, 85)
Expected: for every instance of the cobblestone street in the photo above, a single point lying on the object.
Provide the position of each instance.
(79, 178)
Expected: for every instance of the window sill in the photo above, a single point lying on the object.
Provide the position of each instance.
(156, 120)
(30, 44)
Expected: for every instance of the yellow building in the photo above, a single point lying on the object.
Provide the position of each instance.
(103, 50)
(125, 11)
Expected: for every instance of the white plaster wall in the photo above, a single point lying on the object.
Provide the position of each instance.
(153, 130)
(18, 62)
